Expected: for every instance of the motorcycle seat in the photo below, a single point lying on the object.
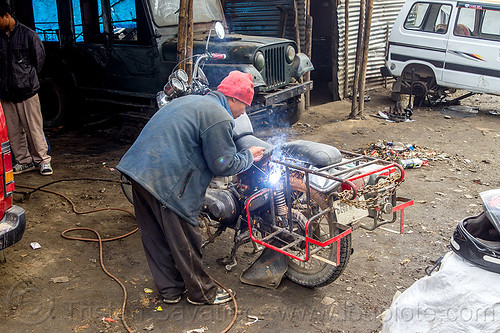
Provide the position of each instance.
(318, 154)
(248, 140)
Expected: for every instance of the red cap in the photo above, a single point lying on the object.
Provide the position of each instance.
(238, 85)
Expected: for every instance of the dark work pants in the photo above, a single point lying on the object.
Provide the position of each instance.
(173, 249)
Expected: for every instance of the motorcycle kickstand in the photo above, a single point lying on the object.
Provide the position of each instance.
(257, 247)
(211, 239)
(230, 261)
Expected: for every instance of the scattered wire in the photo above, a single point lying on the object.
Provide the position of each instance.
(100, 240)
(26, 195)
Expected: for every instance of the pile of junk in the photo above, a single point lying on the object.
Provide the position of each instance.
(462, 292)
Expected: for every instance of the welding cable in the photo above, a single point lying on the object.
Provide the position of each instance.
(100, 240)
(34, 189)
(235, 305)
(124, 289)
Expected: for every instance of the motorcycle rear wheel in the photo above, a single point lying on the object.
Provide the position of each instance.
(316, 273)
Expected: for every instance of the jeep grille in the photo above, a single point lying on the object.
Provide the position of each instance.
(275, 66)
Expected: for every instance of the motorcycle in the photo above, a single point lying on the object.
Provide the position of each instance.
(299, 204)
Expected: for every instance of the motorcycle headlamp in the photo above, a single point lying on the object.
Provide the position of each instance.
(290, 54)
(259, 61)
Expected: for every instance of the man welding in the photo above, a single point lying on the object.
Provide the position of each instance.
(170, 165)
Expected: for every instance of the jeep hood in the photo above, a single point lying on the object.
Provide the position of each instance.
(238, 48)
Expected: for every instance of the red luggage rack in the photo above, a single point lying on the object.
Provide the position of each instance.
(314, 244)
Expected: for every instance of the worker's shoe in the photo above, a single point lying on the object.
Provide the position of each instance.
(221, 297)
(46, 169)
(20, 168)
(174, 300)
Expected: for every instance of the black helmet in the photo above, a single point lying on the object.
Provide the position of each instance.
(477, 238)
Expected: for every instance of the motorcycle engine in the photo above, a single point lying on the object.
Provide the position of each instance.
(220, 203)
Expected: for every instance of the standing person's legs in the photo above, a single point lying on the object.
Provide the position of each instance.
(30, 115)
(173, 249)
(17, 136)
(185, 242)
(167, 278)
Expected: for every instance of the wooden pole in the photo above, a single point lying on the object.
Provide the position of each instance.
(308, 49)
(185, 34)
(346, 49)
(334, 49)
(386, 47)
(189, 41)
(181, 31)
(359, 50)
(364, 63)
(283, 20)
(296, 24)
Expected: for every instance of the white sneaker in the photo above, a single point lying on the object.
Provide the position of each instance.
(20, 168)
(46, 169)
(221, 297)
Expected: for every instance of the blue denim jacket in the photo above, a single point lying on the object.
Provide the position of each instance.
(181, 148)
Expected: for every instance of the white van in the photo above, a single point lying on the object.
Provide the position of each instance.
(436, 45)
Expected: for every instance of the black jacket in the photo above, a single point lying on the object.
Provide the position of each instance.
(21, 58)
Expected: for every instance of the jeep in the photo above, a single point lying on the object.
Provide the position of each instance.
(124, 51)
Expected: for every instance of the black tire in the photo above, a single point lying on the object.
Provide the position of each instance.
(294, 113)
(315, 273)
(282, 115)
(54, 103)
(425, 90)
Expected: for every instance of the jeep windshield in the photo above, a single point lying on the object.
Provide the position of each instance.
(166, 12)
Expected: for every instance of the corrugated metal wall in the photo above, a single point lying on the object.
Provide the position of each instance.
(384, 15)
(262, 18)
(259, 17)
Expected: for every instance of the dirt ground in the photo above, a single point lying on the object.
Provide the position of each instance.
(445, 192)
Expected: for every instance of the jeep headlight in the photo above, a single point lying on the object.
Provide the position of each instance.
(259, 61)
(290, 54)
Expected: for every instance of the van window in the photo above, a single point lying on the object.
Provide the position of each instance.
(465, 22)
(478, 23)
(490, 28)
(430, 17)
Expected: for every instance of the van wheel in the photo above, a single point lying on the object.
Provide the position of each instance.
(420, 81)
(423, 87)
(419, 91)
